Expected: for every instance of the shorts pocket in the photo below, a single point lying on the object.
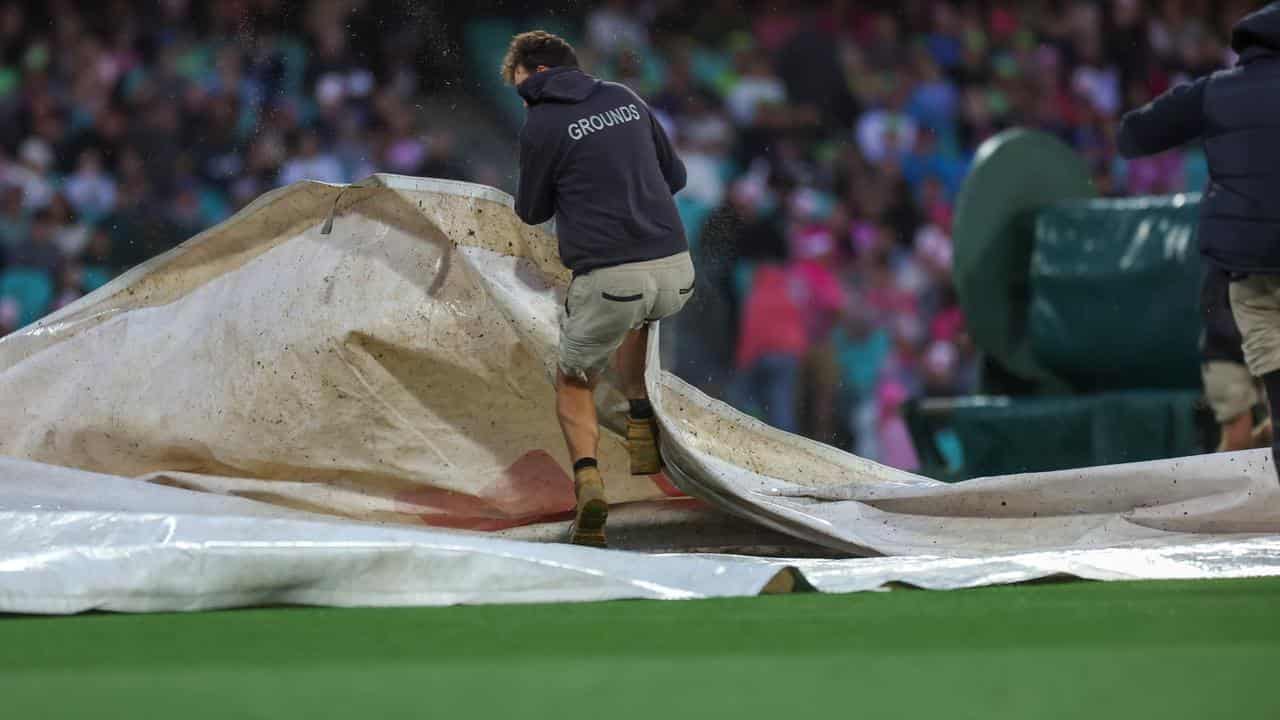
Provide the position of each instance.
(636, 297)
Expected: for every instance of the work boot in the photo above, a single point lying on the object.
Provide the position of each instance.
(642, 446)
(593, 509)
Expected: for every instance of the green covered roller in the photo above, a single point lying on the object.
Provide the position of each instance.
(1115, 291)
(1015, 174)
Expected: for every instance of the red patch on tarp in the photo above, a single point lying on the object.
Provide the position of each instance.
(533, 489)
(667, 487)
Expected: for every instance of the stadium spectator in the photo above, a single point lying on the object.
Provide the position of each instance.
(10, 315)
(310, 162)
(37, 251)
(894, 441)
(32, 173)
(615, 27)
(70, 286)
(756, 92)
(90, 189)
(771, 347)
(14, 221)
(70, 234)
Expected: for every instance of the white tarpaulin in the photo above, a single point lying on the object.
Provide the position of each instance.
(76, 541)
(383, 353)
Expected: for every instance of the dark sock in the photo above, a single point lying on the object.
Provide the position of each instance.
(641, 409)
(1272, 382)
(584, 463)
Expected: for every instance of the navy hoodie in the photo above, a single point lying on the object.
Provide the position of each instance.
(592, 155)
(1236, 113)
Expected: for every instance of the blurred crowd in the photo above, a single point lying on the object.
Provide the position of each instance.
(825, 143)
(127, 127)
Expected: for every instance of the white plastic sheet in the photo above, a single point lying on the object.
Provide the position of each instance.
(382, 353)
(177, 550)
(811, 491)
(72, 541)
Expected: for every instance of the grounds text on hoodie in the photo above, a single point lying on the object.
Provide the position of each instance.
(1236, 112)
(593, 155)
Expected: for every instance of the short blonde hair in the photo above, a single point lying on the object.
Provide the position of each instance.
(536, 47)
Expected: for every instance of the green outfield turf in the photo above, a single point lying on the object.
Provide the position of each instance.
(1097, 650)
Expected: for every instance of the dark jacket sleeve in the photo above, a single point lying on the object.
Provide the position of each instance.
(536, 198)
(672, 168)
(1174, 118)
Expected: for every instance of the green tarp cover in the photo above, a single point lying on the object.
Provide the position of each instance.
(1115, 292)
(1003, 436)
(1014, 175)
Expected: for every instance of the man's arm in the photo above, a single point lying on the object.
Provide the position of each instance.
(536, 199)
(1174, 118)
(672, 168)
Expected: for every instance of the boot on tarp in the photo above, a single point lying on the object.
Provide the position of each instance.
(642, 446)
(592, 511)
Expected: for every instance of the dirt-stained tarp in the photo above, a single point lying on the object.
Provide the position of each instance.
(384, 352)
(381, 351)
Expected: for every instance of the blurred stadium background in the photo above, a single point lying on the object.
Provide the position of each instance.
(827, 145)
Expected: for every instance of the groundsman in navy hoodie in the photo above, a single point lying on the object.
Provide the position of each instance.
(595, 158)
(1236, 113)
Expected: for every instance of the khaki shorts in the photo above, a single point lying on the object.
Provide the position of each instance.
(1230, 390)
(1255, 304)
(601, 307)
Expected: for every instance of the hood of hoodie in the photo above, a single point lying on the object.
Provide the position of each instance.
(561, 84)
(1258, 33)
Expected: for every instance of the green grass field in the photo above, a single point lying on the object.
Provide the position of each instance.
(1164, 650)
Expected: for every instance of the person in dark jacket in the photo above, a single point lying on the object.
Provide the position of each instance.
(1236, 114)
(593, 156)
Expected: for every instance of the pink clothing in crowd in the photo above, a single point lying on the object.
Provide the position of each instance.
(820, 296)
(890, 301)
(896, 448)
(1157, 174)
(947, 324)
(812, 241)
(772, 323)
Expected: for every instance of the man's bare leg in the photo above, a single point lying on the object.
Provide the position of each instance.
(576, 409)
(631, 360)
(642, 427)
(1237, 434)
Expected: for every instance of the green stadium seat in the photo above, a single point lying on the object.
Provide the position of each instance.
(486, 42)
(744, 273)
(295, 65)
(713, 69)
(94, 277)
(693, 214)
(31, 289)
